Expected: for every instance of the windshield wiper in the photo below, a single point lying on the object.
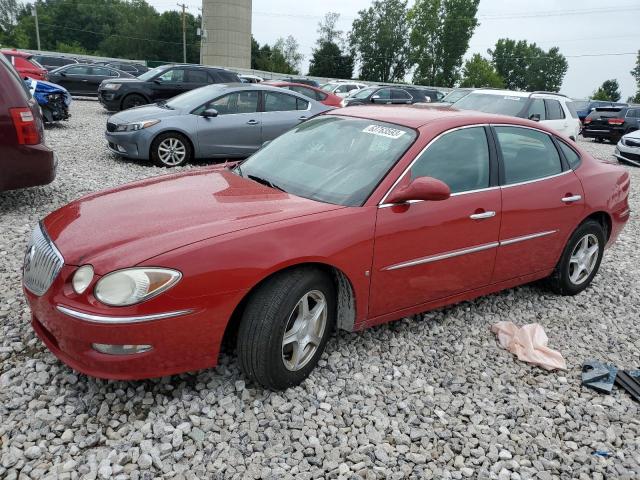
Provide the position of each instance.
(266, 182)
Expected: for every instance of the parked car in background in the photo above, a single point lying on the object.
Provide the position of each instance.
(355, 218)
(611, 123)
(628, 149)
(160, 83)
(551, 109)
(84, 78)
(585, 107)
(25, 64)
(51, 62)
(250, 78)
(217, 121)
(343, 89)
(387, 95)
(304, 81)
(131, 68)
(432, 94)
(308, 91)
(25, 161)
(454, 95)
(53, 99)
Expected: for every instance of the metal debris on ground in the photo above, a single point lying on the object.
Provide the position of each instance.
(602, 377)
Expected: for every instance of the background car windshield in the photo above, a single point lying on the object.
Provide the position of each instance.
(364, 93)
(194, 98)
(331, 159)
(148, 75)
(491, 103)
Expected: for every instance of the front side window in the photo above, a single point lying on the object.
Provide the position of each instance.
(237, 102)
(536, 109)
(459, 158)
(383, 94)
(103, 72)
(554, 110)
(491, 103)
(279, 102)
(332, 159)
(79, 70)
(175, 75)
(342, 89)
(572, 157)
(527, 154)
(364, 93)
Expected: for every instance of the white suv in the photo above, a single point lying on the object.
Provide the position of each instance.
(343, 89)
(551, 109)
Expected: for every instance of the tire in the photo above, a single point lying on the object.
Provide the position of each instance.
(569, 278)
(171, 149)
(273, 310)
(133, 100)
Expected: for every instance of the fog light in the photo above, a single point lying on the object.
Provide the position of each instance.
(120, 349)
(122, 149)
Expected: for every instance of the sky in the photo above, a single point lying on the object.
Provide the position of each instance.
(582, 29)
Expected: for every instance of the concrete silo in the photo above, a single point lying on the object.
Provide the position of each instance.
(227, 28)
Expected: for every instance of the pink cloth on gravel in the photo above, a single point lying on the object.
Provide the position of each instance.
(529, 344)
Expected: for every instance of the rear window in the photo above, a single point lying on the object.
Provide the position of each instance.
(608, 112)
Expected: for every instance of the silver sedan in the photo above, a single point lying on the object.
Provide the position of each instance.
(216, 121)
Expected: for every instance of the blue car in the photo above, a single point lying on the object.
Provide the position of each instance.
(53, 99)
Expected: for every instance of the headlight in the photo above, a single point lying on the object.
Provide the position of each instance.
(135, 126)
(82, 278)
(134, 285)
(111, 86)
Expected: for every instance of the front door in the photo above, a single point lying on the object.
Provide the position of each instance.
(169, 84)
(236, 131)
(542, 203)
(430, 250)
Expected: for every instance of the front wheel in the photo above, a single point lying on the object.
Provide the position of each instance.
(133, 100)
(285, 327)
(171, 149)
(580, 260)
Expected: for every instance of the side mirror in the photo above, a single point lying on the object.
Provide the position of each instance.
(422, 188)
(375, 98)
(210, 113)
(535, 117)
(64, 74)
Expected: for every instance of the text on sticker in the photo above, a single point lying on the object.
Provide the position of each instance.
(384, 131)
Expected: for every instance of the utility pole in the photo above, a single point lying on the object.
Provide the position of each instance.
(184, 33)
(35, 14)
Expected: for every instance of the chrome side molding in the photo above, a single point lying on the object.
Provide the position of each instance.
(89, 317)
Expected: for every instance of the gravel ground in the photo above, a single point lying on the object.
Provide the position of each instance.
(427, 397)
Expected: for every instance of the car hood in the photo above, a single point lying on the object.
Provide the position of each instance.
(143, 112)
(124, 226)
(635, 135)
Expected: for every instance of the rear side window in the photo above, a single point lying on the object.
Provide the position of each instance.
(633, 113)
(280, 102)
(398, 94)
(572, 109)
(572, 157)
(537, 110)
(527, 154)
(460, 159)
(197, 76)
(554, 110)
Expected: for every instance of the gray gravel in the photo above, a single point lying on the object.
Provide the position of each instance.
(428, 397)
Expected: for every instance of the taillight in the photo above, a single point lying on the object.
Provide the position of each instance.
(25, 125)
(587, 120)
(615, 121)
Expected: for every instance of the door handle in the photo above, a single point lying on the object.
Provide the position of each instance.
(252, 122)
(572, 198)
(483, 215)
(302, 118)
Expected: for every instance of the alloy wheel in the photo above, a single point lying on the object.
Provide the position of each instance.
(584, 259)
(304, 331)
(172, 151)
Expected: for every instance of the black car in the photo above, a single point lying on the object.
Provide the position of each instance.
(387, 95)
(84, 79)
(51, 62)
(585, 107)
(611, 123)
(134, 69)
(160, 83)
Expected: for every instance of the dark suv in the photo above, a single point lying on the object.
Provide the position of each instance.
(392, 95)
(584, 108)
(160, 83)
(611, 123)
(24, 159)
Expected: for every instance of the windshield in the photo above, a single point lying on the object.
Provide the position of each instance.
(194, 98)
(491, 103)
(453, 97)
(364, 93)
(149, 74)
(331, 159)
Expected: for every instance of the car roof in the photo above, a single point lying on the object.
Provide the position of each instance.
(17, 53)
(233, 86)
(418, 115)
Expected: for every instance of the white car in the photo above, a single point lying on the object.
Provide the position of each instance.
(628, 148)
(551, 109)
(343, 89)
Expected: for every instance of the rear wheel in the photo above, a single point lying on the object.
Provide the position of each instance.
(285, 327)
(580, 260)
(133, 100)
(171, 149)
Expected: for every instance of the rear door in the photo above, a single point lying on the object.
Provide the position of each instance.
(97, 75)
(282, 112)
(542, 202)
(556, 118)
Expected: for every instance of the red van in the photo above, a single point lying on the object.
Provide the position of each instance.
(25, 161)
(25, 64)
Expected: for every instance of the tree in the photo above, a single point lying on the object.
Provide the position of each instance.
(525, 66)
(608, 91)
(380, 41)
(285, 57)
(440, 34)
(636, 74)
(329, 59)
(478, 72)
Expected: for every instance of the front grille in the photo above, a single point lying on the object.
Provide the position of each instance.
(111, 127)
(42, 262)
(630, 156)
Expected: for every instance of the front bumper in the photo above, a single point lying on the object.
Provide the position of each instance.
(130, 144)
(627, 154)
(110, 100)
(189, 340)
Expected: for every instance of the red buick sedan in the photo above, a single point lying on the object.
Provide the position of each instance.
(355, 218)
(314, 93)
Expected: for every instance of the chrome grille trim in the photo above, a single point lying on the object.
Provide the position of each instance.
(42, 262)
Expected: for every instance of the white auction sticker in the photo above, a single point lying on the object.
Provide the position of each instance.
(384, 131)
(517, 99)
